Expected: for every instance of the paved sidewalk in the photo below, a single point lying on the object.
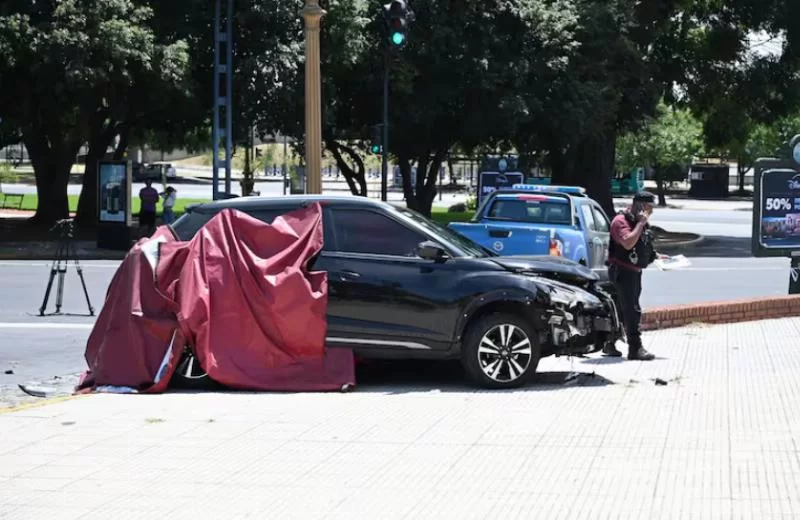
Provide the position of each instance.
(720, 440)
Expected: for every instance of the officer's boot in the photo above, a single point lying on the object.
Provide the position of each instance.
(636, 352)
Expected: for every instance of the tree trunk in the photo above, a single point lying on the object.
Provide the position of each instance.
(421, 198)
(101, 136)
(350, 176)
(659, 175)
(51, 165)
(594, 168)
(122, 145)
(562, 165)
(741, 170)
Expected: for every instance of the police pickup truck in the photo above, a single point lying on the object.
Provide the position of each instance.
(529, 219)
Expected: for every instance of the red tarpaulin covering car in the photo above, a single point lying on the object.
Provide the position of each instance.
(239, 293)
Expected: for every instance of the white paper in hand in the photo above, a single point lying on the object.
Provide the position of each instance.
(673, 262)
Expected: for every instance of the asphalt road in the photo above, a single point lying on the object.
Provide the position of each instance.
(37, 348)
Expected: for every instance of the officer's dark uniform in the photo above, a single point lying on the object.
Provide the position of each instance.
(625, 271)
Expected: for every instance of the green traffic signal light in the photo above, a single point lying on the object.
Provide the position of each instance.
(376, 149)
(398, 38)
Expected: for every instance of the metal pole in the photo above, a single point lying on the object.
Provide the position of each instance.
(312, 13)
(229, 96)
(385, 139)
(283, 171)
(215, 122)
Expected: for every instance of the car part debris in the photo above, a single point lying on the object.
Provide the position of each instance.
(38, 391)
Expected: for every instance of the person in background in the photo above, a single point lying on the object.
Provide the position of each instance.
(169, 195)
(630, 250)
(147, 213)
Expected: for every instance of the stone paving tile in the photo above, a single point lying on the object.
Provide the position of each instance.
(720, 440)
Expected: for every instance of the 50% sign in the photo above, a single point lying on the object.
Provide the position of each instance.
(777, 204)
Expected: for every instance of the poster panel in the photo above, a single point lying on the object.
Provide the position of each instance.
(114, 193)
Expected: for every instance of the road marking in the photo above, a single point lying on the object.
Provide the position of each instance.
(38, 404)
(84, 264)
(47, 325)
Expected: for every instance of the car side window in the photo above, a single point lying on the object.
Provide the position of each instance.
(369, 232)
(267, 216)
(600, 220)
(188, 224)
(588, 218)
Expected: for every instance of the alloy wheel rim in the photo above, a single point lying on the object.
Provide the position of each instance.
(504, 353)
(189, 368)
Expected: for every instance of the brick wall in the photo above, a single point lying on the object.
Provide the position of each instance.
(721, 312)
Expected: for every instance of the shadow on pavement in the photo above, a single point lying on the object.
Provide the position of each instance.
(721, 247)
(407, 376)
(447, 376)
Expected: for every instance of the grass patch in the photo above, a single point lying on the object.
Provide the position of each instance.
(440, 215)
(443, 217)
(30, 202)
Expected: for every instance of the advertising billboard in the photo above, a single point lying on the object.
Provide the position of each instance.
(493, 181)
(776, 204)
(779, 209)
(114, 197)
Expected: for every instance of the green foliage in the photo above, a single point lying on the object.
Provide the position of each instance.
(7, 173)
(667, 142)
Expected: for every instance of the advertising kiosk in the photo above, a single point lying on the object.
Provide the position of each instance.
(776, 209)
(114, 211)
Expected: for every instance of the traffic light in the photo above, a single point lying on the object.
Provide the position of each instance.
(396, 16)
(375, 145)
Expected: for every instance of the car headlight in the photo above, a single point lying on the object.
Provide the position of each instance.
(560, 297)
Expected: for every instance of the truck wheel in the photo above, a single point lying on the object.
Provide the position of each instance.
(500, 351)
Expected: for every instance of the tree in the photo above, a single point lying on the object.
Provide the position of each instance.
(665, 143)
(68, 69)
(460, 80)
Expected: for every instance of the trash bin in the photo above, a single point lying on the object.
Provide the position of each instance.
(709, 181)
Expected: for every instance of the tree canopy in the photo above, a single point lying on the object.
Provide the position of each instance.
(561, 82)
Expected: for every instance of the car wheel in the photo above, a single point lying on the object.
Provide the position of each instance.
(190, 375)
(500, 351)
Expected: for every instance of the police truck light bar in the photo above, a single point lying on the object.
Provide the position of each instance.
(543, 188)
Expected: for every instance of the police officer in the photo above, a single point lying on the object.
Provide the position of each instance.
(630, 250)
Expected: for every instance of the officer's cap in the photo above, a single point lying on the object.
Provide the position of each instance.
(645, 196)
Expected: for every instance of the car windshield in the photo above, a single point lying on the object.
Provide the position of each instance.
(464, 245)
(535, 209)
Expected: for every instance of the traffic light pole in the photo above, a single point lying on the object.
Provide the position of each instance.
(385, 139)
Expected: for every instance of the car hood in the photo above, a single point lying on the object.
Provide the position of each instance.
(547, 265)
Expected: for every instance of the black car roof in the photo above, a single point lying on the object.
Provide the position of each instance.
(252, 203)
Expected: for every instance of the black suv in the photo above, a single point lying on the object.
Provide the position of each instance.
(403, 286)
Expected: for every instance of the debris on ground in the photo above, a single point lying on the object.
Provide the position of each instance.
(9, 372)
(38, 391)
(660, 382)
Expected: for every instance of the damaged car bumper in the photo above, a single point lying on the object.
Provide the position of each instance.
(581, 322)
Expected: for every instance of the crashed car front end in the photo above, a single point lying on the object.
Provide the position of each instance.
(579, 320)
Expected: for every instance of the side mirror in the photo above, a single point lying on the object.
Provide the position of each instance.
(431, 251)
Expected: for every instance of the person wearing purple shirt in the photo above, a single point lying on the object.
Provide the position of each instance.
(147, 214)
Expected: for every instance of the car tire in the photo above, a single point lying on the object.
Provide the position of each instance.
(500, 351)
(189, 375)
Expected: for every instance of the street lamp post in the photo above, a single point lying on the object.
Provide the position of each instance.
(312, 13)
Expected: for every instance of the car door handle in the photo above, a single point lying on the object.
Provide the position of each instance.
(349, 275)
(499, 233)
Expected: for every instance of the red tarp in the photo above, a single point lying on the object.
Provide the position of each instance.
(239, 293)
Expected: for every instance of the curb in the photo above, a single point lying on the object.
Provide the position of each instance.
(38, 404)
(735, 311)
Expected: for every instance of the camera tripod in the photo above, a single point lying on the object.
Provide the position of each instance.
(64, 251)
